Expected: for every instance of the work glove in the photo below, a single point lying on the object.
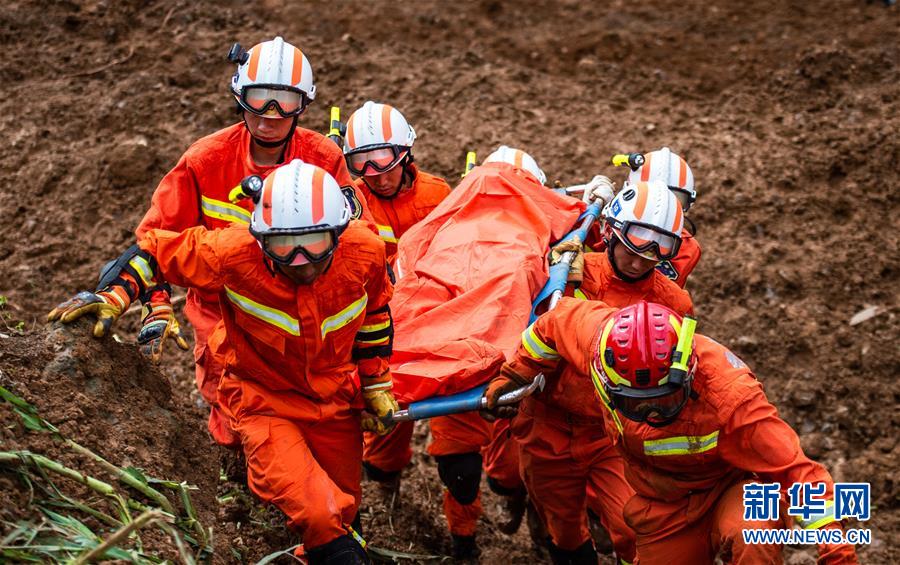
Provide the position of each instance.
(380, 403)
(158, 323)
(507, 381)
(599, 188)
(576, 266)
(107, 305)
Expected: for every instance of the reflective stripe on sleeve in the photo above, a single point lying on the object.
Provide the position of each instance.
(818, 520)
(225, 211)
(535, 347)
(142, 267)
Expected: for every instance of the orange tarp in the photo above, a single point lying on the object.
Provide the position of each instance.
(467, 275)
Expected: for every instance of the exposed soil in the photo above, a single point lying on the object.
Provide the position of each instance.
(788, 113)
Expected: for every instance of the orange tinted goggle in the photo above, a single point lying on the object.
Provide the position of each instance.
(375, 161)
(261, 100)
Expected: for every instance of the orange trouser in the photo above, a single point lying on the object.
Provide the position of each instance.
(204, 316)
(501, 457)
(569, 465)
(391, 452)
(306, 464)
(699, 541)
(452, 435)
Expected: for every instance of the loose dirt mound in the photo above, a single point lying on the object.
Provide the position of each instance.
(110, 401)
(788, 113)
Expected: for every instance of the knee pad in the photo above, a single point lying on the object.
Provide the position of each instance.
(342, 550)
(461, 474)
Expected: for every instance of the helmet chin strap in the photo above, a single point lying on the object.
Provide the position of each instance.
(613, 241)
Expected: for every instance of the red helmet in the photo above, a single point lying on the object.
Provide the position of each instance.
(644, 363)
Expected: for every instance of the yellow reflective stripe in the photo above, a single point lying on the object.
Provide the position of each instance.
(579, 295)
(818, 520)
(682, 445)
(374, 341)
(386, 233)
(611, 374)
(378, 386)
(369, 328)
(265, 313)
(604, 398)
(224, 211)
(345, 316)
(143, 269)
(535, 347)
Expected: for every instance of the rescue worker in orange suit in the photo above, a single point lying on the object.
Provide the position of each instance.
(674, 171)
(272, 87)
(305, 333)
(378, 148)
(692, 424)
(567, 459)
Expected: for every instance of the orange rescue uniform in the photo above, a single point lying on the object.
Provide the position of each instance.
(566, 458)
(195, 193)
(293, 356)
(393, 216)
(688, 476)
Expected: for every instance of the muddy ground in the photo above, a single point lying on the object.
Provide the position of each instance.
(788, 113)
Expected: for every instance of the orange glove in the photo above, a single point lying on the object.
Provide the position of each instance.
(158, 323)
(107, 305)
(507, 381)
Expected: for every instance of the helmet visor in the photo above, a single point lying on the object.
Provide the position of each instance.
(375, 161)
(656, 405)
(299, 249)
(649, 241)
(274, 102)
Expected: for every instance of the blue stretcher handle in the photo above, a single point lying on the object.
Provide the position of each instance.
(559, 273)
(465, 401)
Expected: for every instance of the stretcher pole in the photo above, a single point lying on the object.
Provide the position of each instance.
(473, 399)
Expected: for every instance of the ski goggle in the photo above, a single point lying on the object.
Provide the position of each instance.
(647, 240)
(375, 161)
(268, 100)
(652, 406)
(299, 249)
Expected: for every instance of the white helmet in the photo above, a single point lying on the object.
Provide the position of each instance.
(274, 79)
(299, 213)
(378, 139)
(517, 158)
(647, 218)
(672, 170)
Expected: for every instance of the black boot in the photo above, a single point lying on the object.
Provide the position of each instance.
(343, 550)
(584, 554)
(464, 547)
(514, 502)
(388, 484)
